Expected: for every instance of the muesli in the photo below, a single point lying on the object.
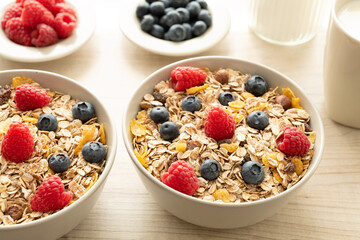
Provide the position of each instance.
(217, 135)
(49, 141)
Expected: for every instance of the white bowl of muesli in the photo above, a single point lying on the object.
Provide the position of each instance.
(222, 142)
(58, 144)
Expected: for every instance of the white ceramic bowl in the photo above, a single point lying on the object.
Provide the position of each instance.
(214, 214)
(58, 224)
(82, 33)
(130, 26)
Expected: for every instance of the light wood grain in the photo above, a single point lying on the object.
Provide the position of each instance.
(326, 208)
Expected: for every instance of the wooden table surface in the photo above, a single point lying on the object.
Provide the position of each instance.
(328, 207)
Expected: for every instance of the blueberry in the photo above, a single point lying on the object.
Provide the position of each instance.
(172, 17)
(191, 103)
(205, 16)
(177, 33)
(203, 4)
(150, 1)
(157, 31)
(184, 13)
(169, 9)
(93, 152)
(142, 9)
(225, 98)
(83, 111)
(252, 172)
(166, 3)
(179, 3)
(187, 30)
(258, 120)
(210, 169)
(147, 22)
(59, 162)
(47, 122)
(159, 114)
(157, 8)
(257, 85)
(198, 28)
(194, 9)
(169, 131)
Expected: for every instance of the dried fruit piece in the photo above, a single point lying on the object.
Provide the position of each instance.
(222, 76)
(29, 119)
(159, 97)
(294, 100)
(4, 126)
(237, 117)
(230, 147)
(15, 212)
(137, 129)
(237, 105)
(192, 144)
(102, 134)
(5, 94)
(194, 90)
(270, 159)
(222, 194)
(88, 135)
(247, 95)
(284, 101)
(312, 136)
(259, 108)
(141, 158)
(180, 147)
(289, 168)
(298, 164)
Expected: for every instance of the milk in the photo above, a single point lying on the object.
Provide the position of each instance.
(349, 17)
(286, 22)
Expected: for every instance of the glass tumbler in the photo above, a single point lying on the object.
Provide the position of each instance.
(285, 22)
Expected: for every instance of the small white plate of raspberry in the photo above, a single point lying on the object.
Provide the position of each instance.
(216, 30)
(60, 46)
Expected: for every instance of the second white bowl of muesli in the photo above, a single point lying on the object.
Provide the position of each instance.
(58, 144)
(222, 142)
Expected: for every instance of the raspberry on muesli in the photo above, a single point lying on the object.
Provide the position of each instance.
(245, 142)
(52, 151)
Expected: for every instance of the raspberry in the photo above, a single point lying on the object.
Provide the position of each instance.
(219, 125)
(28, 98)
(50, 196)
(13, 11)
(48, 4)
(63, 8)
(181, 177)
(293, 142)
(64, 24)
(59, 1)
(18, 143)
(17, 32)
(183, 78)
(43, 35)
(35, 13)
(20, 2)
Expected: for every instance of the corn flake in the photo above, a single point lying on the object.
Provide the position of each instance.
(102, 134)
(294, 100)
(266, 157)
(237, 105)
(277, 175)
(141, 116)
(29, 119)
(88, 135)
(230, 147)
(312, 136)
(247, 95)
(141, 158)
(137, 129)
(194, 90)
(17, 81)
(259, 108)
(237, 117)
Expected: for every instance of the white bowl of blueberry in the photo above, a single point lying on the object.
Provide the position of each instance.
(222, 142)
(175, 27)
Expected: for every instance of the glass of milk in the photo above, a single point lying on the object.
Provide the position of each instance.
(342, 63)
(285, 22)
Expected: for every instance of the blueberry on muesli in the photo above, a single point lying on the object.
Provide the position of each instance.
(47, 122)
(257, 85)
(258, 120)
(159, 114)
(252, 172)
(83, 111)
(191, 103)
(225, 98)
(210, 169)
(169, 131)
(59, 162)
(93, 152)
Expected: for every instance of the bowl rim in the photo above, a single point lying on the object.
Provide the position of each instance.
(110, 158)
(130, 27)
(304, 179)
